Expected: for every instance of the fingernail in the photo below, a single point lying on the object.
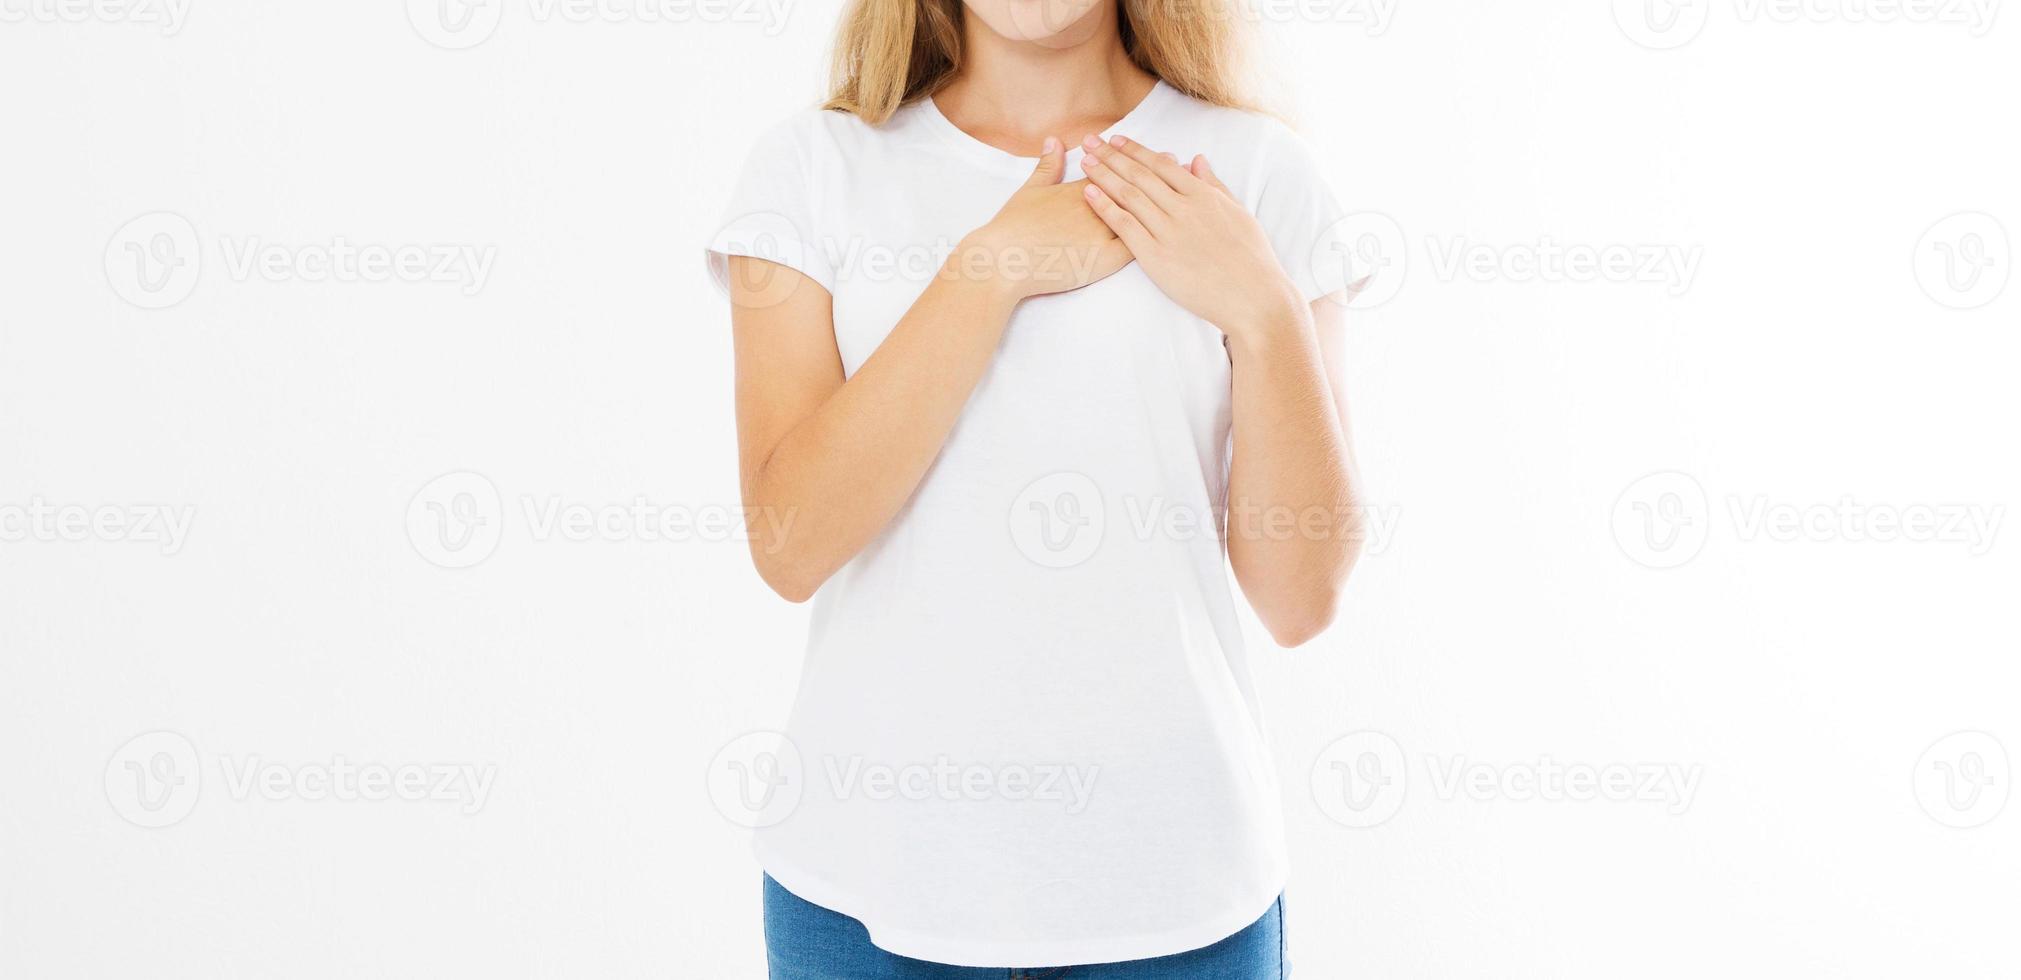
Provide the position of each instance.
(1117, 141)
(1091, 192)
(1089, 141)
(1052, 144)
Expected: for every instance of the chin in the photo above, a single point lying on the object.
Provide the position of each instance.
(1054, 23)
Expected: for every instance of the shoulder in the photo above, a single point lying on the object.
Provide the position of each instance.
(814, 134)
(1249, 149)
(1229, 122)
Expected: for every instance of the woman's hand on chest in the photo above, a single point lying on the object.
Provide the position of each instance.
(1044, 240)
(1190, 235)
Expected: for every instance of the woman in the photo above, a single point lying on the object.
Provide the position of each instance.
(994, 341)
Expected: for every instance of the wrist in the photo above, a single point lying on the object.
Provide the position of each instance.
(978, 261)
(1270, 321)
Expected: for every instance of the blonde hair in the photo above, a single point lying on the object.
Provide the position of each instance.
(893, 52)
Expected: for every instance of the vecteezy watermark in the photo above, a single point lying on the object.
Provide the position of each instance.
(774, 238)
(1070, 786)
(1364, 252)
(1974, 526)
(1058, 520)
(759, 779)
(1361, 780)
(1962, 780)
(1664, 24)
(155, 780)
(1373, 16)
(1669, 784)
(341, 260)
(456, 25)
(1664, 520)
(1061, 519)
(1369, 253)
(1546, 260)
(1963, 261)
(756, 780)
(155, 260)
(466, 785)
(458, 519)
(39, 520)
(1661, 24)
(166, 16)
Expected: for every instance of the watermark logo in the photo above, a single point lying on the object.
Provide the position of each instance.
(1070, 787)
(761, 235)
(1369, 250)
(456, 520)
(1062, 519)
(1372, 16)
(1975, 526)
(760, 779)
(1058, 520)
(39, 520)
(459, 519)
(757, 779)
(465, 785)
(1662, 24)
(1963, 261)
(455, 25)
(458, 25)
(1547, 260)
(832, 259)
(1975, 16)
(1671, 785)
(1360, 780)
(1662, 520)
(168, 16)
(1962, 780)
(341, 260)
(153, 261)
(154, 780)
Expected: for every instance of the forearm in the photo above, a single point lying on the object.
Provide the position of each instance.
(1294, 526)
(833, 481)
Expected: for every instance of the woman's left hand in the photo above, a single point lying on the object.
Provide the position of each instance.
(1190, 235)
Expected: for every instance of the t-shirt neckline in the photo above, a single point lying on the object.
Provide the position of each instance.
(995, 157)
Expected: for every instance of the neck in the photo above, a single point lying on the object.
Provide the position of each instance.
(1023, 91)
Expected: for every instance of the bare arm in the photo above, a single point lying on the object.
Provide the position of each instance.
(826, 462)
(1294, 529)
(1295, 522)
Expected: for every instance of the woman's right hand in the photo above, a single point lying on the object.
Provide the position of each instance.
(1046, 239)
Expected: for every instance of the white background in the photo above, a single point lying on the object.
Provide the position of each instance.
(1528, 611)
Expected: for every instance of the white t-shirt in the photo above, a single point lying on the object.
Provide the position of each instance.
(1025, 729)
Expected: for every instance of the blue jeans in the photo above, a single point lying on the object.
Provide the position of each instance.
(804, 941)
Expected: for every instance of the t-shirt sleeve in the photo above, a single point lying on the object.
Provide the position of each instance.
(771, 210)
(1298, 210)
